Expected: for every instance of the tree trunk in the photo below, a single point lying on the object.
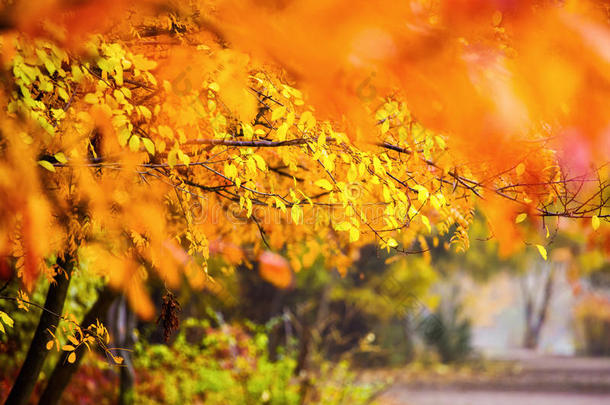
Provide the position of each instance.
(122, 322)
(63, 371)
(37, 353)
(533, 324)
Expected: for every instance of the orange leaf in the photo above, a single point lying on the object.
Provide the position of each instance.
(275, 269)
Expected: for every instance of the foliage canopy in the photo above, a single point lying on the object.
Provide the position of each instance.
(142, 138)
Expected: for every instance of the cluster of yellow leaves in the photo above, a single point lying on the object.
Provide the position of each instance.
(94, 334)
(149, 147)
(5, 320)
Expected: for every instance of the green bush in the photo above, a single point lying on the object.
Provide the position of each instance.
(230, 365)
(448, 332)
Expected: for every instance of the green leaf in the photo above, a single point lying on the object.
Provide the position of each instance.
(47, 165)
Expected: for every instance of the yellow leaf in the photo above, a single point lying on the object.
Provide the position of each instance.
(297, 213)
(412, 212)
(352, 173)
(281, 132)
(165, 131)
(214, 86)
(247, 130)
(343, 226)
(354, 235)
(230, 171)
(124, 136)
(520, 169)
(595, 222)
(47, 165)
(385, 126)
(440, 142)
(325, 184)
(278, 113)
(426, 222)
(146, 113)
(61, 158)
(520, 218)
(392, 242)
(6, 319)
(260, 163)
(72, 358)
(280, 204)
(172, 158)
(134, 143)
(142, 63)
(184, 158)
(90, 98)
(149, 145)
(542, 251)
(307, 121)
(49, 345)
(422, 193)
(68, 348)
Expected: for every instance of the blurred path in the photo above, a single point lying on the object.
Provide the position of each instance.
(542, 380)
(406, 396)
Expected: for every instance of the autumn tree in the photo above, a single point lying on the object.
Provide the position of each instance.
(141, 139)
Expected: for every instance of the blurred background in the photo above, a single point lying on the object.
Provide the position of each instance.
(439, 327)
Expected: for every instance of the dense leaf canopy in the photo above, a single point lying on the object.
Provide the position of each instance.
(142, 138)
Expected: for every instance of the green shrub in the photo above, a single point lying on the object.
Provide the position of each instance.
(230, 365)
